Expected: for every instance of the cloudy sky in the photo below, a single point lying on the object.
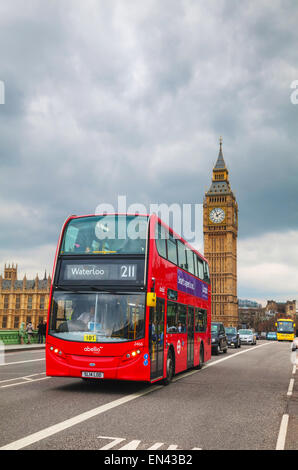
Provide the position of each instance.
(127, 97)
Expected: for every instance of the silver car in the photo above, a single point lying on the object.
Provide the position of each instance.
(247, 337)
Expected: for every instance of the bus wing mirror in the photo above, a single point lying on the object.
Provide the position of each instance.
(151, 299)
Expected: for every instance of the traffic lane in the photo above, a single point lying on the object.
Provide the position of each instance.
(202, 410)
(10, 357)
(17, 364)
(55, 400)
(32, 406)
(105, 387)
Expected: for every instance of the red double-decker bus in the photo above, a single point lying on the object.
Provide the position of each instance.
(130, 300)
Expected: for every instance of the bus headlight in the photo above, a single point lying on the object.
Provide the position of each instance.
(57, 351)
(131, 355)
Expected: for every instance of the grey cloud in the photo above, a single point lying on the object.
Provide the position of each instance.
(106, 98)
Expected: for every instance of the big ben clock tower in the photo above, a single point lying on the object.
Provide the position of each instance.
(220, 243)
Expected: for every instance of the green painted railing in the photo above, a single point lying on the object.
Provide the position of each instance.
(12, 337)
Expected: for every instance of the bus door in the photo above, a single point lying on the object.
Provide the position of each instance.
(190, 337)
(156, 338)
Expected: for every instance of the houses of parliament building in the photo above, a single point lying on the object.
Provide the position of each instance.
(22, 300)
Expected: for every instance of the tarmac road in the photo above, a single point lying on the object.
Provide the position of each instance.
(239, 400)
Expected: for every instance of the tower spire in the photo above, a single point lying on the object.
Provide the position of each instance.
(220, 145)
(220, 164)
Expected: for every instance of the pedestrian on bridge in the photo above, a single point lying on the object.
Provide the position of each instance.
(22, 332)
(40, 331)
(29, 330)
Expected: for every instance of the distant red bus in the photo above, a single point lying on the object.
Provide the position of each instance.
(130, 300)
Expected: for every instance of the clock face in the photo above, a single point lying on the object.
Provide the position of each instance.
(217, 215)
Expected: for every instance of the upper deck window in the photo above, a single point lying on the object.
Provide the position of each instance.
(106, 234)
(177, 252)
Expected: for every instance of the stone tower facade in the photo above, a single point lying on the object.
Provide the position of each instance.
(220, 224)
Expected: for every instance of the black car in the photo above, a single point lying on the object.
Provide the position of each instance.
(219, 340)
(233, 337)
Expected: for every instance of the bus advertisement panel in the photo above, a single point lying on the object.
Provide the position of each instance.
(130, 300)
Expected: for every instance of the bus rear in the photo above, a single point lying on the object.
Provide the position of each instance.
(285, 329)
(96, 324)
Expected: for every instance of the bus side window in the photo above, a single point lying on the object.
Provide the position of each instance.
(160, 240)
(172, 249)
(206, 273)
(171, 317)
(200, 268)
(181, 255)
(190, 261)
(200, 320)
(181, 318)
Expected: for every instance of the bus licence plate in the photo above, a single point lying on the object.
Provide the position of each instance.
(92, 375)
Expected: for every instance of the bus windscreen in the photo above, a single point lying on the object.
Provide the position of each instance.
(285, 327)
(105, 234)
(103, 317)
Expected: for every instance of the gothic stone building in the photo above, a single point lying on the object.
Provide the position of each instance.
(220, 222)
(281, 309)
(22, 300)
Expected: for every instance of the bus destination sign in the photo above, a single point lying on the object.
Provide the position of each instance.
(100, 272)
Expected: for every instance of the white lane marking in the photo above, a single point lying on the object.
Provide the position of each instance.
(281, 440)
(132, 445)
(291, 386)
(51, 430)
(18, 378)
(155, 446)
(294, 370)
(236, 354)
(115, 441)
(22, 362)
(23, 383)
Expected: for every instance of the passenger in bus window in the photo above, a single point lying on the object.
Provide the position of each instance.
(171, 329)
(181, 328)
(81, 243)
(87, 316)
(160, 333)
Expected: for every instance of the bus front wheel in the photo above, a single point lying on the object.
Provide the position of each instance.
(170, 368)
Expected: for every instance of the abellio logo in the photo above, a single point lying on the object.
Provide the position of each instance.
(94, 349)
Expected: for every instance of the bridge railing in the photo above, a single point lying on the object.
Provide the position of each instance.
(12, 337)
